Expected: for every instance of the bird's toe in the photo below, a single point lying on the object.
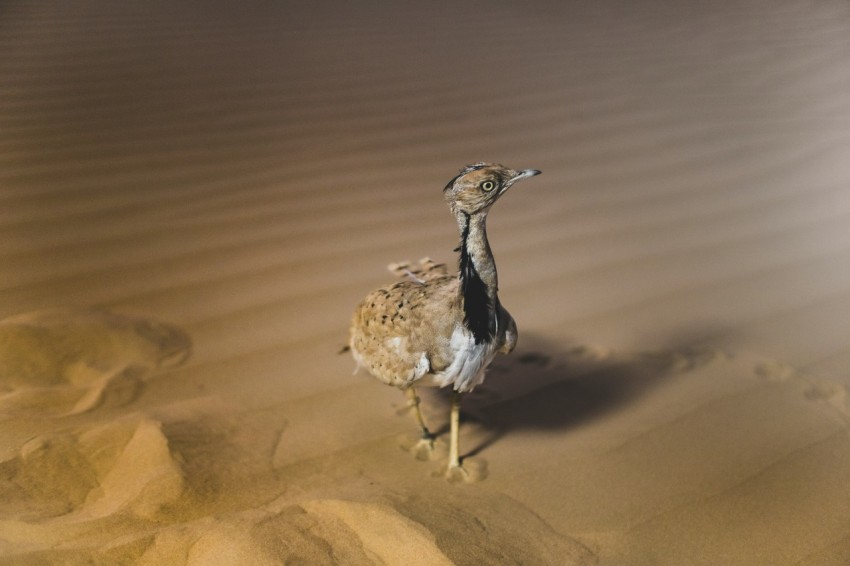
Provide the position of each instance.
(471, 471)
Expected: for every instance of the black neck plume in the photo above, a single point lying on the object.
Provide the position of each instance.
(477, 304)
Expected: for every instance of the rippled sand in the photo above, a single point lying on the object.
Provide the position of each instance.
(194, 197)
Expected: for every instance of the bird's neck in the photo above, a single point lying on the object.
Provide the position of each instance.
(479, 281)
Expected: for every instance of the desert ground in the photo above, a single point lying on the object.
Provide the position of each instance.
(194, 196)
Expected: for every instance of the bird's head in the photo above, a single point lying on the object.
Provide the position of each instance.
(478, 186)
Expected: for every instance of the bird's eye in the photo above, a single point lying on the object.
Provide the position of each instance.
(488, 186)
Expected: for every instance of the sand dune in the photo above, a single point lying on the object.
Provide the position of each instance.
(77, 359)
(193, 198)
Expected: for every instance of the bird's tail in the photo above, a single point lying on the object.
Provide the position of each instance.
(427, 270)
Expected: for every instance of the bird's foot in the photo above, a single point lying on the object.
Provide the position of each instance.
(424, 449)
(472, 470)
(456, 473)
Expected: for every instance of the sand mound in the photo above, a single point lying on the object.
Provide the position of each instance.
(143, 477)
(315, 532)
(69, 361)
(385, 535)
(121, 467)
(336, 531)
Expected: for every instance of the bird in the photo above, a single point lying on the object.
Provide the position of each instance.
(433, 328)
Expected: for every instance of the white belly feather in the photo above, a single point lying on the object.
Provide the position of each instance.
(466, 370)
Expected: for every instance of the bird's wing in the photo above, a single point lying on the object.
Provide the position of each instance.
(403, 331)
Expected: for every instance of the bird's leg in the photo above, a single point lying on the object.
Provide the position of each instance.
(427, 435)
(454, 458)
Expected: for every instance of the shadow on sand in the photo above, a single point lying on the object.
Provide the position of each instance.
(544, 386)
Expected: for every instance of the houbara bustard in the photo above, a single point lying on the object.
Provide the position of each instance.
(436, 329)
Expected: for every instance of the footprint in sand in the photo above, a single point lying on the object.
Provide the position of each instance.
(816, 389)
(772, 370)
(68, 361)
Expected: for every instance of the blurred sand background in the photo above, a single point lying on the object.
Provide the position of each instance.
(195, 195)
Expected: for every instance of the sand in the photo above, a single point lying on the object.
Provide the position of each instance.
(194, 197)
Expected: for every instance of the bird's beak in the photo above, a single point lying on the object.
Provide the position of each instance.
(519, 175)
(526, 173)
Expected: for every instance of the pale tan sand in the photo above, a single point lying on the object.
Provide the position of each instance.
(193, 198)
